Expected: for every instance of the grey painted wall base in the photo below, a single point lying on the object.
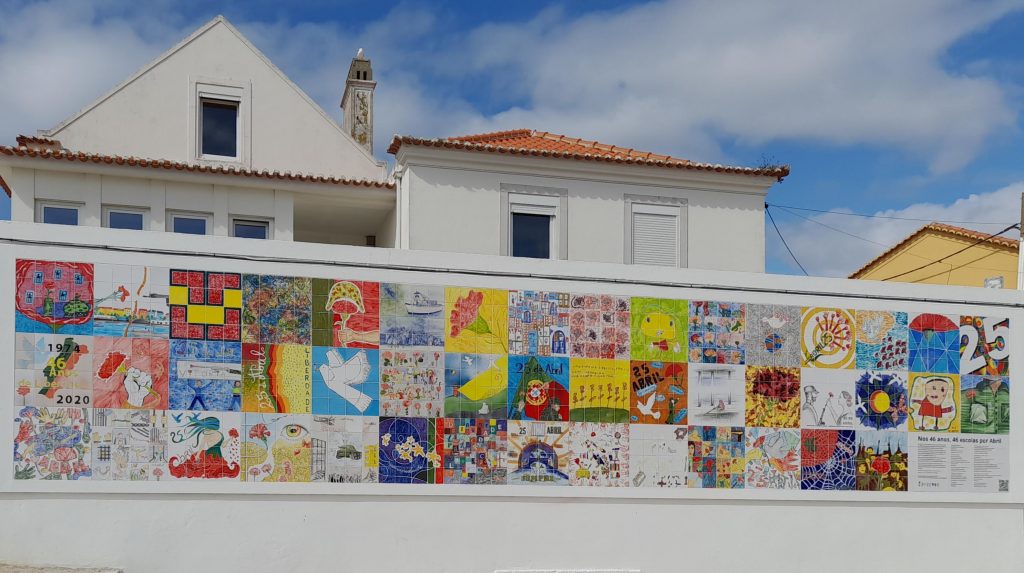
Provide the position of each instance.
(12, 568)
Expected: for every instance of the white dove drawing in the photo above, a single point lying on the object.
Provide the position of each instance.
(774, 321)
(340, 375)
(647, 408)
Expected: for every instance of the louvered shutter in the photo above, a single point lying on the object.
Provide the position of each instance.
(655, 238)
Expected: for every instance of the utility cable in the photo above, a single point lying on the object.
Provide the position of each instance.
(960, 266)
(786, 209)
(784, 243)
(848, 234)
(972, 245)
(887, 216)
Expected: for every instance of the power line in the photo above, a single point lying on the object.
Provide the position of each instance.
(951, 269)
(972, 245)
(887, 247)
(888, 216)
(772, 219)
(786, 209)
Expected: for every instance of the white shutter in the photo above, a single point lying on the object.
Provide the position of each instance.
(655, 238)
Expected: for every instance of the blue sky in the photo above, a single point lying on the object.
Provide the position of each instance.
(908, 109)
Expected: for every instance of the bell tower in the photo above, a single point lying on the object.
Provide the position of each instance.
(357, 101)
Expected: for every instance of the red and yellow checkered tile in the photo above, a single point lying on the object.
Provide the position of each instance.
(205, 305)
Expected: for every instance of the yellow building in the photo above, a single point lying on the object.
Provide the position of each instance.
(992, 259)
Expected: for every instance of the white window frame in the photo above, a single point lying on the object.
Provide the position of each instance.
(247, 219)
(533, 200)
(227, 92)
(108, 209)
(238, 128)
(42, 204)
(208, 217)
(659, 206)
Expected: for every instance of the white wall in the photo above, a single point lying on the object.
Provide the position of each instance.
(153, 118)
(262, 527)
(165, 534)
(156, 196)
(455, 205)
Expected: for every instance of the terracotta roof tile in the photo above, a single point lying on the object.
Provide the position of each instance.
(942, 227)
(38, 142)
(42, 148)
(546, 144)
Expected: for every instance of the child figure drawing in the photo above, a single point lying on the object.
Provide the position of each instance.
(934, 408)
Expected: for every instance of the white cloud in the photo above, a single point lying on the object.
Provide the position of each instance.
(674, 77)
(825, 252)
(679, 76)
(61, 55)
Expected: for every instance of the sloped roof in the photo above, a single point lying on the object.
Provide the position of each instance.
(46, 148)
(1004, 242)
(546, 144)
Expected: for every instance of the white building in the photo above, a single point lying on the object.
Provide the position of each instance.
(212, 138)
(566, 198)
(208, 138)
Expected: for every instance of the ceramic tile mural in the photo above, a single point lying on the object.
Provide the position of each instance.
(934, 402)
(658, 456)
(472, 450)
(346, 381)
(538, 388)
(827, 338)
(773, 458)
(658, 393)
(717, 458)
(412, 382)
(476, 385)
(476, 320)
(343, 449)
(659, 329)
(53, 369)
(599, 326)
(276, 310)
(538, 453)
(131, 301)
(130, 373)
(205, 305)
(411, 315)
(276, 378)
(772, 336)
(407, 453)
(599, 454)
(827, 459)
(129, 444)
(716, 332)
(599, 390)
(882, 461)
(149, 373)
(827, 398)
(882, 340)
(205, 445)
(538, 323)
(346, 313)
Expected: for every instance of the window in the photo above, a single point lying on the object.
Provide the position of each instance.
(118, 218)
(189, 223)
(531, 235)
(249, 229)
(218, 128)
(57, 213)
(656, 235)
(533, 221)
